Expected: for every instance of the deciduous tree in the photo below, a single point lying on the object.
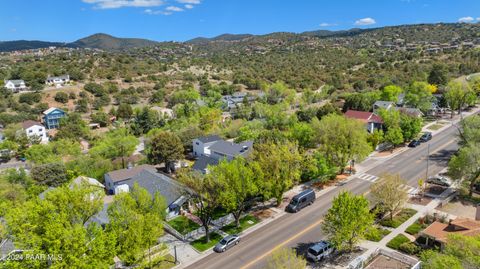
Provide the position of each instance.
(347, 220)
(165, 147)
(389, 194)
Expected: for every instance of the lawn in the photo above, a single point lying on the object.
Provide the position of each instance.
(397, 241)
(415, 228)
(435, 127)
(201, 245)
(183, 224)
(167, 262)
(245, 222)
(376, 234)
(398, 219)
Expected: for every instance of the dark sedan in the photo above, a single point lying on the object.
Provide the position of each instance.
(414, 144)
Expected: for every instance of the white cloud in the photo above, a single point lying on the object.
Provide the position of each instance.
(478, 19)
(193, 2)
(466, 19)
(188, 6)
(157, 12)
(174, 8)
(326, 24)
(365, 21)
(108, 4)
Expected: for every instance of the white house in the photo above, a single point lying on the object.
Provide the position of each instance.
(201, 145)
(58, 81)
(35, 130)
(15, 85)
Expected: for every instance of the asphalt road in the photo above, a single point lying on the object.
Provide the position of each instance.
(303, 228)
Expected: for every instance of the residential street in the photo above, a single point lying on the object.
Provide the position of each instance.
(294, 230)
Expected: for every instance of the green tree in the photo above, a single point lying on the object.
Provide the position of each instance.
(165, 147)
(57, 225)
(101, 118)
(394, 136)
(61, 97)
(460, 252)
(239, 182)
(419, 95)
(72, 127)
(136, 223)
(50, 174)
(286, 258)
(466, 165)
(124, 111)
(341, 139)
(205, 196)
(346, 222)
(410, 126)
(281, 166)
(116, 144)
(391, 93)
(458, 95)
(389, 193)
(438, 75)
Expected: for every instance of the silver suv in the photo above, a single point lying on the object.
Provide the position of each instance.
(320, 251)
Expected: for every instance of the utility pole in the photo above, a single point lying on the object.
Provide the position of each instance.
(428, 158)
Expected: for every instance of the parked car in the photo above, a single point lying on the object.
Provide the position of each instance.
(440, 180)
(301, 200)
(320, 251)
(227, 242)
(414, 143)
(427, 136)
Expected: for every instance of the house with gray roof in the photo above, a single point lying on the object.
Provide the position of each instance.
(387, 105)
(147, 177)
(58, 81)
(212, 149)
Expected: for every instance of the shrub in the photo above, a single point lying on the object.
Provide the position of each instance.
(61, 97)
(30, 98)
(415, 228)
(397, 241)
(409, 248)
(376, 234)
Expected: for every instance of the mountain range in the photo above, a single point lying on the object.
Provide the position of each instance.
(111, 43)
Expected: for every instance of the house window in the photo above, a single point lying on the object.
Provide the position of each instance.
(30, 131)
(40, 129)
(197, 143)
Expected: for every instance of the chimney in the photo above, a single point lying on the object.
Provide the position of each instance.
(477, 215)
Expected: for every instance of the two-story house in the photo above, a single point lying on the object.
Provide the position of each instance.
(52, 116)
(15, 85)
(35, 130)
(212, 149)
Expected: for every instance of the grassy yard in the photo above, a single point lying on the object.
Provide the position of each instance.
(167, 262)
(398, 219)
(201, 245)
(183, 224)
(376, 234)
(397, 241)
(415, 228)
(245, 222)
(435, 127)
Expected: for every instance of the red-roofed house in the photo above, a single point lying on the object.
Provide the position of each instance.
(371, 120)
(437, 233)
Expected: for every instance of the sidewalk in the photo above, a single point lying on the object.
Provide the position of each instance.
(421, 211)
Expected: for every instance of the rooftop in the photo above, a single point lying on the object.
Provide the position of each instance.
(210, 138)
(29, 123)
(230, 148)
(363, 116)
(124, 174)
(50, 110)
(463, 226)
(203, 162)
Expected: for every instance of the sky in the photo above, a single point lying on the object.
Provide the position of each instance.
(181, 20)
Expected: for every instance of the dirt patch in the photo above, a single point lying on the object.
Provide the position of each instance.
(420, 200)
(263, 214)
(387, 152)
(460, 208)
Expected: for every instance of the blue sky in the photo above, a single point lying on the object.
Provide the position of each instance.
(180, 20)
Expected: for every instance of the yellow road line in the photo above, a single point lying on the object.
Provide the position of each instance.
(282, 244)
(312, 225)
